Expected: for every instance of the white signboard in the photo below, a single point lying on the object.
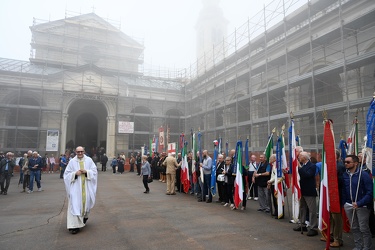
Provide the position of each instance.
(125, 127)
(52, 143)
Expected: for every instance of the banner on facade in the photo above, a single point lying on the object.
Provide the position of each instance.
(52, 143)
(125, 127)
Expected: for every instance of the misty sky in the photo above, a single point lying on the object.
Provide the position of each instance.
(165, 26)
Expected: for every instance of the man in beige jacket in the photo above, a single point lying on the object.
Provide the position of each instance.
(171, 165)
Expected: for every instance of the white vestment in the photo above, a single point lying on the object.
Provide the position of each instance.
(73, 185)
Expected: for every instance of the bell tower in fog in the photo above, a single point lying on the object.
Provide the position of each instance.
(211, 32)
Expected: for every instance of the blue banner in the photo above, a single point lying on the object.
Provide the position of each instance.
(213, 172)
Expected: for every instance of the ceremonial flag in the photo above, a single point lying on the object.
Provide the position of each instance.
(269, 148)
(171, 148)
(298, 140)
(247, 159)
(161, 139)
(238, 185)
(280, 165)
(195, 158)
(213, 169)
(185, 168)
(343, 148)
(324, 223)
(296, 189)
(153, 146)
(226, 149)
(370, 142)
(200, 154)
(151, 149)
(330, 157)
(220, 145)
(353, 139)
(156, 144)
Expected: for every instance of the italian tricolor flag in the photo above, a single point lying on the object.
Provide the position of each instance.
(238, 185)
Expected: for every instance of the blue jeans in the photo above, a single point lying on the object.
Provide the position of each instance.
(51, 166)
(36, 175)
(207, 187)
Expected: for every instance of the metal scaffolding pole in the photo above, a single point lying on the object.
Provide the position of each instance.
(312, 76)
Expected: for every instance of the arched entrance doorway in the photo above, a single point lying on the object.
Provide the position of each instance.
(87, 130)
(87, 125)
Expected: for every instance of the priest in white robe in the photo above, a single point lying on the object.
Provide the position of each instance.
(80, 179)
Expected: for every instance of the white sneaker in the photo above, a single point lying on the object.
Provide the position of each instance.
(226, 204)
(249, 198)
(40, 189)
(29, 192)
(232, 207)
(255, 198)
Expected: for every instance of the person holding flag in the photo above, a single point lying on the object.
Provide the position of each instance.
(356, 198)
(271, 185)
(239, 190)
(206, 165)
(308, 190)
(260, 177)
(220, 183)
(228, 183)
(253, 188)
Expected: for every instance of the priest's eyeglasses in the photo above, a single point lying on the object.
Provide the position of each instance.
(78, 152)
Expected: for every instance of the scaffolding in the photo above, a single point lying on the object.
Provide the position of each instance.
(84, 64)
(303, 57)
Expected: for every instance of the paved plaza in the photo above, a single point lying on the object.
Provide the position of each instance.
(126, 218)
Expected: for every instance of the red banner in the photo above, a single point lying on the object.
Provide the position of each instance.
(329, 146)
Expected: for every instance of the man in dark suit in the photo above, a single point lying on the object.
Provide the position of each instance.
(307, 170)
(6, 170)
(220, 184)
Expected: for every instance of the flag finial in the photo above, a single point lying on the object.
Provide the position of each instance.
(291, 115)
(283, 127)
(325, 115)
(373, 95)
(274, 130)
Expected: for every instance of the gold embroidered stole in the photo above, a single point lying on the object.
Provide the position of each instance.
(83, 178)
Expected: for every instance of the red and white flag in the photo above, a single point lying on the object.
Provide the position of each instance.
(296, 189)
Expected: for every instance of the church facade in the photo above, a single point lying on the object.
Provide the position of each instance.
(83, 80)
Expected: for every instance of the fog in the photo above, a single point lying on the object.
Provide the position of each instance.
(166, 27)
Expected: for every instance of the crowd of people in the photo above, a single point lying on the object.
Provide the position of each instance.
(354, 183)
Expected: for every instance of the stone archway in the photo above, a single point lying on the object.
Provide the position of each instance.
(87, 130)
(86, 125)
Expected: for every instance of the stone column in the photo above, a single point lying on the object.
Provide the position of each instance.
(63, 131)
(111, 133)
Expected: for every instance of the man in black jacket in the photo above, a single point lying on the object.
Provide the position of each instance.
(220, 183)
(103, 161)
(6, 170)
(307, 170)
(260, 178)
